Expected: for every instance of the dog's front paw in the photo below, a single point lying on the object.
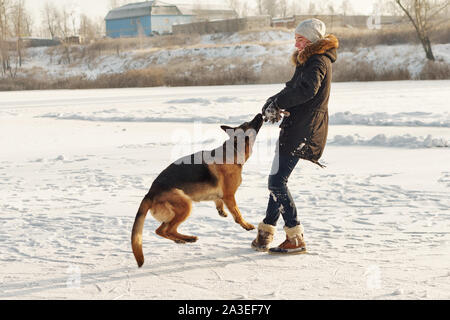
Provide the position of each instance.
(248, 226)
(191, 239)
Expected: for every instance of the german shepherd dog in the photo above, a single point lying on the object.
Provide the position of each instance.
(204, 176)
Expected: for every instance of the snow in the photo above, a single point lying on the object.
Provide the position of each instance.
(76, 164)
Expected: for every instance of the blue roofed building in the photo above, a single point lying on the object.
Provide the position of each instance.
(144, 19)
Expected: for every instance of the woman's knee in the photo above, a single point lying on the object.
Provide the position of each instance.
(277, 183)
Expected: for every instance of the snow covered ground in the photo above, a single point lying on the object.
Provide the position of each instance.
(75, 164)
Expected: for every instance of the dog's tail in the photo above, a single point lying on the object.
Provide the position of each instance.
(138, 227)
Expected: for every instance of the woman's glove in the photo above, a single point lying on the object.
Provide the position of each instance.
(272, 114)
(267, 104)
(270, 111)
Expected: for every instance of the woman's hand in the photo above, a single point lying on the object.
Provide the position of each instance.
(267, 104)
(272, 114)
(271, 111)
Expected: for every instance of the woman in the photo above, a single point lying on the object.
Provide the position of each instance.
(304, 102)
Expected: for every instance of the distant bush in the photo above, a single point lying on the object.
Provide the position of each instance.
(435, 71)
(151, 77)
(177, 74)
(204, 74)
(365, 71)
(351, 39)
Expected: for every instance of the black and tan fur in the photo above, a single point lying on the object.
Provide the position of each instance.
(173, 191)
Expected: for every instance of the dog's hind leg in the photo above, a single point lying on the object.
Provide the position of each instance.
(161, 231)
(181, 206)
(220, 208)
(163, 211)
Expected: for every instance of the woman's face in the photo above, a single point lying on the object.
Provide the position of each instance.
(301, 42)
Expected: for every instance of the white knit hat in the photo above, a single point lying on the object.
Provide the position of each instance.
(312, 29)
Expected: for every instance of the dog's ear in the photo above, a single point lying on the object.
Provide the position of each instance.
(229, 130)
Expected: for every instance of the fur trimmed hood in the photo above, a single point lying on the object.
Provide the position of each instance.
(325, 45)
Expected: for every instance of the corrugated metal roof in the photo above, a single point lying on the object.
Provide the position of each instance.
(140, 9)
(131, 10)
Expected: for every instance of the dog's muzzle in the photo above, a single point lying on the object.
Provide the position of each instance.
(257, 122)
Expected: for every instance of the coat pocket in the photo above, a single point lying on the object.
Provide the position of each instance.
(319, 132)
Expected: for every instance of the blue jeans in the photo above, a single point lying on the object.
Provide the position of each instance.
(280, 200)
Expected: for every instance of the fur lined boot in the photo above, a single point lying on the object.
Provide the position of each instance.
(294, 243)
(264, 237)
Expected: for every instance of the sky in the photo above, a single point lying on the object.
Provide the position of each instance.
(99, 8)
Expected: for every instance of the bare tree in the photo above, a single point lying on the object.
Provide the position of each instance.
(112, 4)
(260, 6)
(234, 4)
(312, 8)
(199, 11)
(87, 28)
(346, 7)
(100, 27)
(5, 6)
(244, 9)
(63, 23)
(388, 7)
(74, 18)
(283, 8)
(421, 14)
(293, 8)
(270, 7)
(298, 7)
(51, 18)
(91, 29)
(19, 23)
(331, 11)
(14, 25)
(64, 29)
(4, 11)
(240, 6)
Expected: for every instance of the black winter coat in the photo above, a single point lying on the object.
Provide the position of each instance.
(304, 132)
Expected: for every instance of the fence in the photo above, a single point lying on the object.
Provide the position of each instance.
(231, 25)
